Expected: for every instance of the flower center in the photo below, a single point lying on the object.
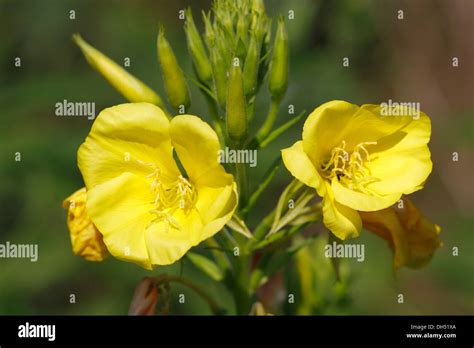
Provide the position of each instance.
(350, 168)
(170, 195)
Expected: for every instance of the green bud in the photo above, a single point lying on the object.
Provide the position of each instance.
(258, 6)
(173, 77)
(251, 67)
(201, 63)
(236, 119)
(242, 28)
(209, 34)
(278, 79)
(219, 69)
(129, 86)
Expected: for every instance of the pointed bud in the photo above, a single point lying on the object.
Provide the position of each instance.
(278, 79)
(236, 119)
(220, 77)
(130, 87)
(201, 63)
(144, 298)
(173, 77)
(251, 68)
(258, 6)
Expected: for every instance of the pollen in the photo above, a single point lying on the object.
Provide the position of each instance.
(350, 169)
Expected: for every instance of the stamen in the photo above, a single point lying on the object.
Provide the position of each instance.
(169, 196)
(350, 170)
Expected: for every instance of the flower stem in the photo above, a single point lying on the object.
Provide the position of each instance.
(198, 290)
(269, 121)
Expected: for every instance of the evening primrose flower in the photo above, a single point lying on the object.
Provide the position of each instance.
(148, 211)
(86, 240)
(412, 238)
(358, 160)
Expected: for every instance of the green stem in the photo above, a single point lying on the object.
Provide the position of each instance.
(242, 181)
(240, 290)
(269, 121)
(198, 290)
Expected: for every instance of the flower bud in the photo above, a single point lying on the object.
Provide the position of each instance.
(251, 67)
(220, 77)
(130, 87)
(173, 77)
(278, 79)
(236, 106)
(144, 298)
(201, 63)
(258, 6)
(86, 240)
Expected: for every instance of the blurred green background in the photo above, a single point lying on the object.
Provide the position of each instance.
(407, 60)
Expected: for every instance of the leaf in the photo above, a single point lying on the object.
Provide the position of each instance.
(292, 214)
(255, 144)
(266, 181)
(280, 130)
(238, 225)
(282, 204)
(205, 265)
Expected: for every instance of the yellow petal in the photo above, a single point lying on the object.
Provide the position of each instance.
(198, 147)
(343, 221)
(411, 236)
(129, 86)
(301, 167)
(323, 127)
(120, 208)
(215, 205)
(368, 124)
(130, 138)
(166, 243)
(405, 165)
(86, 240)
(361, 201)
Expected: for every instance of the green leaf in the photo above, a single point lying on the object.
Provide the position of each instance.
(280, 130)
(238, 225)
(205, 265)
(267, 179)
(282, 204)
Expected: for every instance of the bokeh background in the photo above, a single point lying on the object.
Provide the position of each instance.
(407, 60)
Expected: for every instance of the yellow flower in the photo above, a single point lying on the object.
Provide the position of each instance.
(412, 238)
(86, 240)
(359, 160)
(147, 210)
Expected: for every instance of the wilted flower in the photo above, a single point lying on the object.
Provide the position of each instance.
(410, 235)
(86, 240)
